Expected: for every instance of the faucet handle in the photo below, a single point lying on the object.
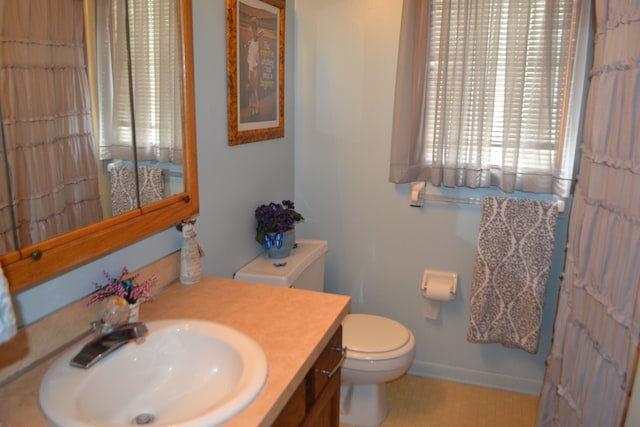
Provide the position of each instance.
(138, 331)
(100, 328)
(114, 310)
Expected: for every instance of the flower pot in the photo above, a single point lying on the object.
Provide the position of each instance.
(279, 245)
(134, 312)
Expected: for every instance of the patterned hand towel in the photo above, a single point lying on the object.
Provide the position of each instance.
(123, 187)
(151, 184)
(510, 273)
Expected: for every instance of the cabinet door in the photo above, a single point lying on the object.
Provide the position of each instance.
(316, 401)
(325, 411)
(292, 415)
(324, 387)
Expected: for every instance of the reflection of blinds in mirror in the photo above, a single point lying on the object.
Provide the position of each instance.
(154, 73)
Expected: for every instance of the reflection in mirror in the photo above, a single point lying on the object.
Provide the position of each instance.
(33, 263)
(94, 91)
(135, 72)
(47, 139)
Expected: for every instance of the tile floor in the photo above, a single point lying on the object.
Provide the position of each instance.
(423, 402)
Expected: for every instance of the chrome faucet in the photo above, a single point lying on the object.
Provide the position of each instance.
(107, 341)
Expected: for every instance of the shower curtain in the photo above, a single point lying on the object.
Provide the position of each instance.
(47, 140)
(591, 367)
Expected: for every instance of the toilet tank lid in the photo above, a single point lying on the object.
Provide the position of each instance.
(272, 271)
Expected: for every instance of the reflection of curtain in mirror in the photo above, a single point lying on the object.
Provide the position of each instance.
(46, 120)
(157, 80)
(8, 236)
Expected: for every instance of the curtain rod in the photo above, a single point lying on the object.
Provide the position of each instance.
(418, 195)
(165, 171)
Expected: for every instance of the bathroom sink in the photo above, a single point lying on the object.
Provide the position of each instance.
(186, 373)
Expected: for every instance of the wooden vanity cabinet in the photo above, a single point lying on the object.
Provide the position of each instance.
(316, 401)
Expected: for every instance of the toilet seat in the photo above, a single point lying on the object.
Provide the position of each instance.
(371, 337)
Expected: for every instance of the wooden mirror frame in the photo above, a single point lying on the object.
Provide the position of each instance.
(38, 262)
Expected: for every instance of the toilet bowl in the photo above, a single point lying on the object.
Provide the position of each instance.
(378, 349)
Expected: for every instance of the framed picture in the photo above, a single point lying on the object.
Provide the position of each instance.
(255, 64)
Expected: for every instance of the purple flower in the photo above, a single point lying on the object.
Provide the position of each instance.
(275, 218)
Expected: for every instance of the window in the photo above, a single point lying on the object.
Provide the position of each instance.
(495, 94)
(139, 77)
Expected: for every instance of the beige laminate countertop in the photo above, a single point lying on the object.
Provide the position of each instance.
(292, 326)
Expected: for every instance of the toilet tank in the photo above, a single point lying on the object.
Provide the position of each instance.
(303, 269)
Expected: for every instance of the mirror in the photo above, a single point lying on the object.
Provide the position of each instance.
(120, 146)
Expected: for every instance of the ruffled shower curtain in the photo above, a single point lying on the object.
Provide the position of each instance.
(47, 140)
(591, 367)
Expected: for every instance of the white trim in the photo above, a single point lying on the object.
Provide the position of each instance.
(478, 378)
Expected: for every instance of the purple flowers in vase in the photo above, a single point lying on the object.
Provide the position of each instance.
(124, 286)
(275, 219)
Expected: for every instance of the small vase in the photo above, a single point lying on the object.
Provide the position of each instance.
(134, 312)
(280, 246)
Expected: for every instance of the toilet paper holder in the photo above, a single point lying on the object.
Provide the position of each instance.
(439, 277)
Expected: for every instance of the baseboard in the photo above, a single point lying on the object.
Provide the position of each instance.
(478, 378)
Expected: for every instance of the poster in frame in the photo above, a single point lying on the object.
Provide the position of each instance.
(255, 64)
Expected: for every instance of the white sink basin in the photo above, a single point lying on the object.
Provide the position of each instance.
(186, 373)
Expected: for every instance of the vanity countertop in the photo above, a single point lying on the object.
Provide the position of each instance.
(291, 325)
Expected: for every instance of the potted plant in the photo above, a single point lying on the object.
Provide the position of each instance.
(275, 227)
(125, 286)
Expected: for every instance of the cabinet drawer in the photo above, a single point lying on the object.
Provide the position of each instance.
(327, 362)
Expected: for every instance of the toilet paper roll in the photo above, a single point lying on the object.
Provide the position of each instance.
(431, 309)
(437, 291)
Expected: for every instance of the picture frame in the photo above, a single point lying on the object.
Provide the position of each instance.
(255, 67)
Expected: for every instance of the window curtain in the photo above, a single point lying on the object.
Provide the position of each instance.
(47, 141)
(481, 91)
(140, 79)
(594, 355)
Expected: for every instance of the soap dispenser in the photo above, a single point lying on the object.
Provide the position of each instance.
(190, 254)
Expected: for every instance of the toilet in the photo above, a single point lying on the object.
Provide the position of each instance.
(378, 349)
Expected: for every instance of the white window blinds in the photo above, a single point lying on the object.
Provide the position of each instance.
(495, 94)
(140, 78)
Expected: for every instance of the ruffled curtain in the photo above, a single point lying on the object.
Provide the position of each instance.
(592, 364)
(47, 145)
(482, 92)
